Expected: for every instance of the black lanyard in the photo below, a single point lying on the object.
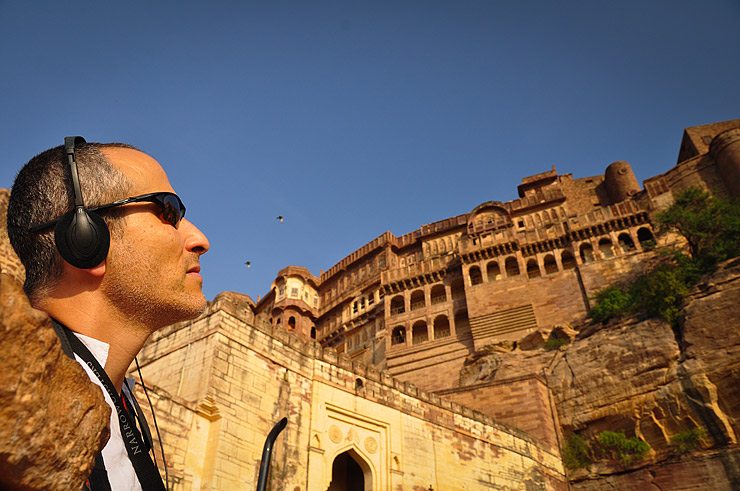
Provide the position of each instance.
(137, 450)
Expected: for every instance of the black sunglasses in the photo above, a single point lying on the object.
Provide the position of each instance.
(171, 206)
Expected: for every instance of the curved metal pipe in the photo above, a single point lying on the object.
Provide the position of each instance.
(267, 453)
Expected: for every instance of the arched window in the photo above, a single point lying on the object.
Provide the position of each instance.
(512, 266)
(587, 253)
(397, 305)
(546, 217)
(419, 332)
(626, 243)
(646, 238)
(550, 265)
(438, 293)
(533, 269)
(441, 327)
(493, 271)
(313, 332)
(567, 259)
(291, 322)
(398, 335)
(605, 248)
(476, 277)
(417, 299)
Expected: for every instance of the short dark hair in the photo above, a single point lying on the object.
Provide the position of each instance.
(42, 192)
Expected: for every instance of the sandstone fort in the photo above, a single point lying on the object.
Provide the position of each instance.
(421, 361)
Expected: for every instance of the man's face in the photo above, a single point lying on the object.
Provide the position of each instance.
(152, 270)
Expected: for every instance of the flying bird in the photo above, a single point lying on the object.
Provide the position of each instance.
(248, 264)
(280, 218)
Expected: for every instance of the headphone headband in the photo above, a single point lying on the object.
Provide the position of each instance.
(69, 148)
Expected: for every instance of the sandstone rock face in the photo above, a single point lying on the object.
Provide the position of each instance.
(711, 337)
(53, 419)
(9, 262)
(642, 378)
(601, 380)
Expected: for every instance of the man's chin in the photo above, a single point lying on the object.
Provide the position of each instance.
(194, 309)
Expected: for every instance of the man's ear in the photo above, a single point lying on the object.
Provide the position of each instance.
(99, 270)
(96, 272)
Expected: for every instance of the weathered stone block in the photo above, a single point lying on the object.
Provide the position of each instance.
(53, 419)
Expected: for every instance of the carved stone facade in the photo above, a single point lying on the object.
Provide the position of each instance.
(418, 304)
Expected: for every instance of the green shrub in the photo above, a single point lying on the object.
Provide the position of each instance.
(613, 301)
(660, 292)
(657, 293)
(576, 454)
(554, 343)
(616, 446)
(687, 440)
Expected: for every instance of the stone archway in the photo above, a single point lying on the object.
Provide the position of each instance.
(350, 472)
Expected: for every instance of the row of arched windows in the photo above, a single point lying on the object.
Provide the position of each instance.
(417, 299)
(567, 261)
(420, 331)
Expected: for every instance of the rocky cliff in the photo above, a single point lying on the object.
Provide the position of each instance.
(675, 389)
(52, 418)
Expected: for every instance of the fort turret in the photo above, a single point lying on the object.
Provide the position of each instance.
(620, 181)
(725, 149)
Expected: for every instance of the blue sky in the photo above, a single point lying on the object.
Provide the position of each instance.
(352, 118)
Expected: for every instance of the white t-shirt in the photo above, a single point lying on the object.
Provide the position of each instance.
(121, 474)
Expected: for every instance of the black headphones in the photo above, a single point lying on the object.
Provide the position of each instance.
(81, 236)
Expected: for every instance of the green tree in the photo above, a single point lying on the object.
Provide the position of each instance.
(710, 225)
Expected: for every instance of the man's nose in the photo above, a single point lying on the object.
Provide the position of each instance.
(195, 240)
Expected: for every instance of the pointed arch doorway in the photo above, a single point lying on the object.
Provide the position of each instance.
(350, 472)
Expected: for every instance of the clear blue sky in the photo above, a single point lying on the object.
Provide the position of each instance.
(352, 118)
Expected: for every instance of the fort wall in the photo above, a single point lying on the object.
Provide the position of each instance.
(522, 402)
(258, 374)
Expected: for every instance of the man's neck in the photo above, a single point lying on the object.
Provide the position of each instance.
(124, 337)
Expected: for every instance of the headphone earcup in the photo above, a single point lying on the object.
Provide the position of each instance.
(82, 238)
